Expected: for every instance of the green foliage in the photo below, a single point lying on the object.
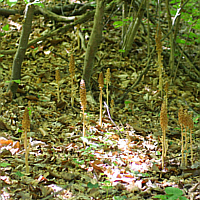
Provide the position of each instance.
(11, 3)
(172, 194)
(4, 164)
(6, 27)
(119, 197)
(29, 111)
(19, 174)
(190, 17)
(16, 81)
(19, 131)
(79, 162)
(121, 50)
(37, 3)
(158, 153)
(139, 174)
(106, 185)
(196, 119)
(118, 24)
(90, 185)
(122, 129)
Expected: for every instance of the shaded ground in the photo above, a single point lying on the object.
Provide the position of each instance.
(121, 160)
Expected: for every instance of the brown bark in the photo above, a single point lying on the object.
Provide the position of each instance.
(19, 56)
(130, 35)
(94, 42)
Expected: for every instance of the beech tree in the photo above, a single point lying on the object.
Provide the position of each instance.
(19, 56)
(94, 42)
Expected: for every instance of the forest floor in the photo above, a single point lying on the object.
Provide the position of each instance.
(121, 160)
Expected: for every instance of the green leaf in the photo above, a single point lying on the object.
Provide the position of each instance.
(29, 111)
(183, 198)
(197, 40)
(122, 129)
(173, 1)
(37, 3)
(145, 174)
(120, 197)
(19, 174)
(173, 191)
(84, 29)
(108, 183)
(158, 153)
(195, 119)
(173, 197)
(4, 164)
(17, 81)
(6, 27)
(160, 197)
(90, 185)
(128, 19)
(11, 3)
(127, 102)
(121, 50)
(118, 24)
(173, 12)
(19, 131)
(178, 40)
(197, 25)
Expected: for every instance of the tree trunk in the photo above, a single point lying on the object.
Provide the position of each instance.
(19, 56)
(94, 42)
(130, 35)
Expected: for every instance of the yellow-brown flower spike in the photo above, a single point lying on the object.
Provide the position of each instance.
(101, 81)
(26, 121)
(83, 103)
(158, 41)
(185, 118)
(190, 121)
(108, 76)
(163, 117)
(163, 123)
(57, 76)
(72, 66)
(101, 84)
(181, 115)
(26, 128)
(107, 82)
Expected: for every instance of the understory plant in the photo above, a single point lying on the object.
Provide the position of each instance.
(172, 193)
(26, 128)
(83, 103)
